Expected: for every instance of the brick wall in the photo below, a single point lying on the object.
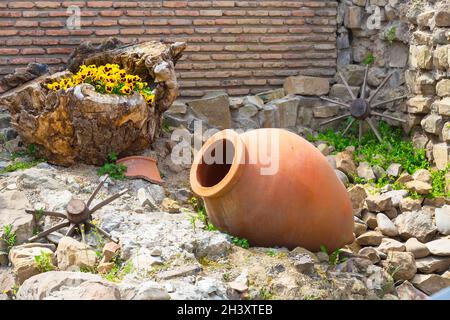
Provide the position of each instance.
(241, 46)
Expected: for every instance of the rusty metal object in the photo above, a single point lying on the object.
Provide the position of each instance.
(361, 107)
(78, 215)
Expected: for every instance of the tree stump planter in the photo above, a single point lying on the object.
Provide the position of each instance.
(81, 125)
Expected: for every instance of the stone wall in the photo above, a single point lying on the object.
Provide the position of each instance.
(428, 79)
(241, 46)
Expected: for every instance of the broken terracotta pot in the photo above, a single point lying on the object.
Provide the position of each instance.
(274, 188)
(141, 167)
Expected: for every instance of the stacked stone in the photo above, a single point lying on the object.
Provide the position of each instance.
(428, 79)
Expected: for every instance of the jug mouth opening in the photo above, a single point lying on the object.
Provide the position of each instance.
(217, 165)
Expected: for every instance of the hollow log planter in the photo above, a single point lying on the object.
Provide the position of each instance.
(274, 188)
(81, 125)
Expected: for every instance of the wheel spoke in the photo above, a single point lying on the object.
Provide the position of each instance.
(108, 200)
(362, 94)
(335, 119)
(374, 129)
(347, 86)
(387, 116)
(380, 87)
(96, 190)
(106, 234)
(48, 213)
(47, 232)
(335, 102)
(388, 101)
(348, 126)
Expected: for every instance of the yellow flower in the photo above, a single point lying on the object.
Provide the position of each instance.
(126, 89)
(109, 87)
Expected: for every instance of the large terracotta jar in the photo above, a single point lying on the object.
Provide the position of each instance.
(274, 188)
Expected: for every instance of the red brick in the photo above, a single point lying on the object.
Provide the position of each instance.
(106, 32)
(57, 32)
(174, 4)
(100, 4)
(59, 50)
(131, 22)
(211, 13)
(52, 24)
(111, 13)
(47, 4)
(21, 60)
(67, 4)
(125, 4)
(49, 60)
(180, 22)
(131, 31)
(187, 13)
(45, 42)
(8, 51)
(137, 13)
(32, 51)
(10, 14)
(105, 23)
(7, 33)
(20, 4)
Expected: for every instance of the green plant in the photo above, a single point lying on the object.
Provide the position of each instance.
(22, 165)
(44, 262)
(201, 215)
(165, 126)
(265, 294)
(243, 243)
(115, 171)
(369, 59)
(119, 270)
(271, 252)
(391, 34)
(438, 183)
(9, 236)
(333, 258)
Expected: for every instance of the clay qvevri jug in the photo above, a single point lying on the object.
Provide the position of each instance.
(274, 188)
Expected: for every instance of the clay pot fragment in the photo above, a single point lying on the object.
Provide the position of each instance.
(273, 188)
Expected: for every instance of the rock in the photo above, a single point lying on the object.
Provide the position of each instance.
(430, 283)
(440, 247)
(308, 86)
(370, 219)
(404, 178)
(358, 196)
(433, 264)
(415, 224)
(441, 155)
(443, 106)
(248, 111)
(391, 213)
(340, 91)
(12, 212)
(287, 110)
(419, 104)
(365, 171)
(422, 175)
(379, 172)
(143, 262)
(386, 226)
(268, 96)
(214, 109)
(394, 169)
(421, 57)
(419, 187)
(268, 117)
(398, 54)
(353, 17)
(24, 262)
(370, 253)
(359, 227)
(179, 272)
(342, 177)
(388, 245)
(304, 263)
(177, 107)
(105, 267)
(379, 203)
(63, 285)
(145, 199)
(8, 281)
(255, 101)
(345, 162)
(325, 111)
(148, 290)
(72, 253)
(418, 249)
(432, 123)
(396, 196)
(406, 291)
(170, 206)
(442, 15)
(401, 265)
(109, 250)
(370, 238)
(4, 261)
(442, 217)
(379, 280)
(299, 251)
(212, 245)
(409, 204)
(443, 88)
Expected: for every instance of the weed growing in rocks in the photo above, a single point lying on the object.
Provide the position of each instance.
(115, 171)
(391, 34)
(369, 59)
(392, 149)
(44, 262)
(119, 270)
(20, 164)
(201, 215)
(9, 237)
(438, 183)
(243, 243)
(333, 258)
